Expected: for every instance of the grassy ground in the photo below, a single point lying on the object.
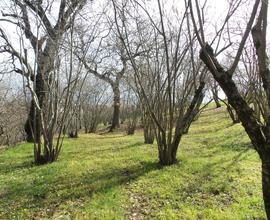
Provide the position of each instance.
(114, 176)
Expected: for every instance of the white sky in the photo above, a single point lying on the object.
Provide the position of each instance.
(216, 9)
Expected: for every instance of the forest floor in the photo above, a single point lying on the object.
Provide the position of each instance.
(114, 176)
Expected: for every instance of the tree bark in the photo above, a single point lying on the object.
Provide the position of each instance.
(148, 128)
(29, 124)
(266, 186)
(166, 155)
(215, 96)
(233, 116)
(257, 110)
(183, 123)
(116, 107)
(33, 125)
(131, 127)
(218, 105)
(149, 134)
(73, 134)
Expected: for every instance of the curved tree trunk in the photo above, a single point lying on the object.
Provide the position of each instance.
(116, 107)
(184, 123)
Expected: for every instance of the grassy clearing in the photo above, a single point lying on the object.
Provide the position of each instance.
(114, 176)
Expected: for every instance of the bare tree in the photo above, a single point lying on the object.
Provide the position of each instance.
(258, 133)
(113, 78)
(106, 60)
(174, 76)
(42, 77)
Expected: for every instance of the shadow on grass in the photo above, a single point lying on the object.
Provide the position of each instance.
(56, 189)
(214, 178)
(76, 154)
(113, 149)
(110, 136)
(14, 166)
(200, 130)
(241, 147)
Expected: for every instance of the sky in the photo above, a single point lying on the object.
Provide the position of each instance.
(216, 10)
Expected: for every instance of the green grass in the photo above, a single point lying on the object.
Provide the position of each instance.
(114, 176)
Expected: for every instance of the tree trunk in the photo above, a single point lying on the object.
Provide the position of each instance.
(149, 134)
(218, 105)
(131, 127)
(166, 156)
(73, 127)
(29, 124)
(148, 128)
(233, 115)
(215, 97)
(33, 123)
(73, 134)
(193, 117)
(33, 126)
(183, 122)
(214, 89)
(266, 186)
(93, 126)
(257, 110)
(116, 108)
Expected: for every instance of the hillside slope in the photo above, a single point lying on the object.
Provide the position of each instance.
(114, 176)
